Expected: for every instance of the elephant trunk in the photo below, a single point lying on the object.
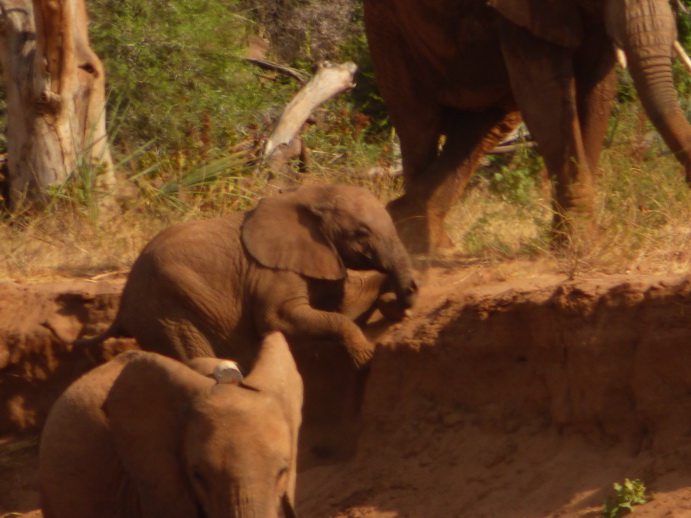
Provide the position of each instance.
(397, 265)
(646, 31)
(242, 505)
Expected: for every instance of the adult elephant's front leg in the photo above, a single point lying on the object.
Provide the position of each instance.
(596, 84)
(414, 114)
(543, 83)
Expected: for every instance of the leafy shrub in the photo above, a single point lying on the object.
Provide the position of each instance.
(628, 494)
(308, 30)
(175, 73)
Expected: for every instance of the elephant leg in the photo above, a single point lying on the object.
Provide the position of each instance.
(544, 86)
(414, 113)
(470, 136)
(175, 337)
(596, 85)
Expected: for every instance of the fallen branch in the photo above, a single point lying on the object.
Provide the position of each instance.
(330, 80)
(269, 65)
(510, 148)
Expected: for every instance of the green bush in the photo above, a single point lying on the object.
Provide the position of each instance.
(628, 494)
(175, 74)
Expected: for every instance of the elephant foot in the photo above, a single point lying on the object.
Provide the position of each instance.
(361, 355)
(390, 307)
(573, 231)
(420, 231)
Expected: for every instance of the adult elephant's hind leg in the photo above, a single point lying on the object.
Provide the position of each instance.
(543, 84)
(469, 137)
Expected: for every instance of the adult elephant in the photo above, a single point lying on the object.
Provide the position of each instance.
(148, 436)
(215, 287)
(468, 70)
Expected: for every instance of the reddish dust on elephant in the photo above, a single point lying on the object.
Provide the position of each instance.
(521, 395)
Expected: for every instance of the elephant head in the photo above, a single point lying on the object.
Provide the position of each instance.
(174, 441)
(233, 444)
(319, 231)
(644, 29)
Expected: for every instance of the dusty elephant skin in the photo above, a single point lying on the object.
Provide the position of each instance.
(214, 287)
(146, 435)
(470, 69)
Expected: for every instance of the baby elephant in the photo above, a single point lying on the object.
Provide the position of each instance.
(147, 436)
(200, 286)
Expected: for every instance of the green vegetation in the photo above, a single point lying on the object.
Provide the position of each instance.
(187, 117)
(627, 495)
(174, 72)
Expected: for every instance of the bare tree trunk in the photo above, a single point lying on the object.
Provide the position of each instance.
(55, 96)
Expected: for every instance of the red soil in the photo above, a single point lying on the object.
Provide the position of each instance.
(521, 398)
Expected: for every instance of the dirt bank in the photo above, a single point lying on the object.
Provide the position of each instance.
(525, 397)
(37, 322)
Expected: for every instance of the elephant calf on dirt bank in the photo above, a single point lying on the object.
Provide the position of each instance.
(145, 435)
(214, 287)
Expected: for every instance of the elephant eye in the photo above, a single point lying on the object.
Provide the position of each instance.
(362, 232)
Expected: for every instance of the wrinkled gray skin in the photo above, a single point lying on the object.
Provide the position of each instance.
(148, 436)
(214, 287)
(470, 69)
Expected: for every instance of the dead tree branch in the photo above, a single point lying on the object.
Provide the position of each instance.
(330, 80)
(282, 69)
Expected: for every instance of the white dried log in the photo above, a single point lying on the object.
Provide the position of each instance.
(329, 80)
(282, 69)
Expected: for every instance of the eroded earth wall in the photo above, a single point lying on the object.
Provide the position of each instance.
(522, 399)
(519, 398)
(37, 323)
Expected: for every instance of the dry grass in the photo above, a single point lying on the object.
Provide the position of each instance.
(70, 239)
(643, 213)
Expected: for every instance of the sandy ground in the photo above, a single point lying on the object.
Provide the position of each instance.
(521, 395)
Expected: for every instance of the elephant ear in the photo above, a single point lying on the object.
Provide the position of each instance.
(275, 373)
(146, 409)
(285, 232)
(557, 21)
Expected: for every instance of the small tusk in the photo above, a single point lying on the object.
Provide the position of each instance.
(682, 55)
(227, 371)
(621, 57)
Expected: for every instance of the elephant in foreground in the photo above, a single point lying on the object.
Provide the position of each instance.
(215, 287)
(469, 70)
(148, 436)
